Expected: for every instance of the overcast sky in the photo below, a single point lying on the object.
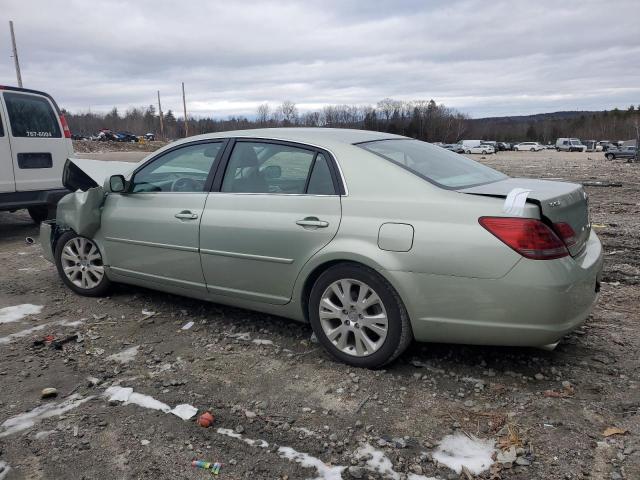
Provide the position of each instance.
(485, 58)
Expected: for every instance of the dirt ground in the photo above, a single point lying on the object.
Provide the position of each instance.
(264, 379)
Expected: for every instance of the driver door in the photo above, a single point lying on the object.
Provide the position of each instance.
(151, 231)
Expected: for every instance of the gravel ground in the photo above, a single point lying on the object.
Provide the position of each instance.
(263, 379)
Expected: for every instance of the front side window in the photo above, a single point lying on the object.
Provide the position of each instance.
(182, 170)
(31, 116)
(437, 165)
(260, 167)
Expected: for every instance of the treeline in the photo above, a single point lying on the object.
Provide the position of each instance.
(546, 128)
(421, 119)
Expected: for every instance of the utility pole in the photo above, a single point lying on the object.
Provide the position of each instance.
(184, 106)
(160, 113)
(15, 54)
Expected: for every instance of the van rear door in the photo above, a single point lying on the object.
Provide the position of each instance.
(7, 181)
(39, 146)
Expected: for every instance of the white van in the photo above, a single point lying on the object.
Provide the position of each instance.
(570, 145)
(35, 142)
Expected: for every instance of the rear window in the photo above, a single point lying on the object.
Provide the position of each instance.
(436, 165)
(31, 116)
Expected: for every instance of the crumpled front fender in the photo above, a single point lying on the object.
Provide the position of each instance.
(81, 211)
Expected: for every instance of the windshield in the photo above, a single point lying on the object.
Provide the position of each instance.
(437, 165)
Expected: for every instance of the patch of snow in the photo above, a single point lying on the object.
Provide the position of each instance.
(259, 341)
(27, 420)
(458, 450)
(127, 396)
(23, 333)
(44, 434)
(187, 326)
(377, 461)
(125, 356)
(415, 476)
(184, 411)
(18, 312)
(254, 443)
(325, 472)
(4, 469)
(148, 313)
(30, 270)
(240, 336)
(144, 442)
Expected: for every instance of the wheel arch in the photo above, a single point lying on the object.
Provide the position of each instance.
(319, 268)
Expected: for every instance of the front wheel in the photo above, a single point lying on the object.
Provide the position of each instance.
(79, 263)
(610, 156)
(358, 317)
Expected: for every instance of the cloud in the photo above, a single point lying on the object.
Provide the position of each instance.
(485, 58)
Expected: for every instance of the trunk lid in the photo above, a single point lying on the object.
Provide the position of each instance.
(559, 202)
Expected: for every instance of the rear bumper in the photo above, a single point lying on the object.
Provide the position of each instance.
(18, 200)
(535, 304)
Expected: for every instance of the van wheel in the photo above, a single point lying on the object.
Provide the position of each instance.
(358, 317)
(40, 213)
(79, 264)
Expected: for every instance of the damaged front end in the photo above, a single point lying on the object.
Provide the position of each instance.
(80, 210)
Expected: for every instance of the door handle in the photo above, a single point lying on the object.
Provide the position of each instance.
(312, 222)
(186, 215)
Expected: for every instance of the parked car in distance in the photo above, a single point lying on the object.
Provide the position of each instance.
(502, 146)
(482, 148)
(470, 143)
(127, 137)
(570, 145)
(624, 152)
(372, 238)
(528, 146)
(150, 136)
(35, 141)
(454, 147)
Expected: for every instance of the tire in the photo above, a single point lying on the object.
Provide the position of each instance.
(357, 278)
(610, 156)
(484, 152)
(89, 279)
(467, 151)
(40, 213)
(533, 149)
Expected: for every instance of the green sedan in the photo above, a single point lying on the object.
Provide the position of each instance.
(374, 239)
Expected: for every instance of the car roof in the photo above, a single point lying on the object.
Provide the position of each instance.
(320, 137)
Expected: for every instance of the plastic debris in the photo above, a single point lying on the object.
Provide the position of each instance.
(214, 468)
(206, 419)
(184, 411)
(187, 326)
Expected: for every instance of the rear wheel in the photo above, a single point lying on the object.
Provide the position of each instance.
(79, 263)
(40, 213)
(358, 317)
(610, 156)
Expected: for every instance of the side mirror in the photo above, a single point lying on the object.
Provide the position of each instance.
(272, 172)
(117, 183)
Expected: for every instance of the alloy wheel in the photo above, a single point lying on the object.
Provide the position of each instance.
(353, 317)
(82, 263)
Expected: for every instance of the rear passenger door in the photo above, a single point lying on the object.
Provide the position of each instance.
(7, 181)
(274, 206)
(38, 144)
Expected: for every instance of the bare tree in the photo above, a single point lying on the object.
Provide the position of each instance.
(289, 113)
(263, 114)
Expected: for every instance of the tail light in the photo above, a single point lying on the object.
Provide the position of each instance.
(65, 126)
(529, 237)
(566, 233)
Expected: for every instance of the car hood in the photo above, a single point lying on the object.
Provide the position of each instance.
(559, 202)
(83, 174)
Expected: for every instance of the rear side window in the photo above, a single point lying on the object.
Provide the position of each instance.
(1, 128)
(320, 182)
(31, 116)
(256, 167)
(436, 165)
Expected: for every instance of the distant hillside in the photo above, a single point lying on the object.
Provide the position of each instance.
(546, 127)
